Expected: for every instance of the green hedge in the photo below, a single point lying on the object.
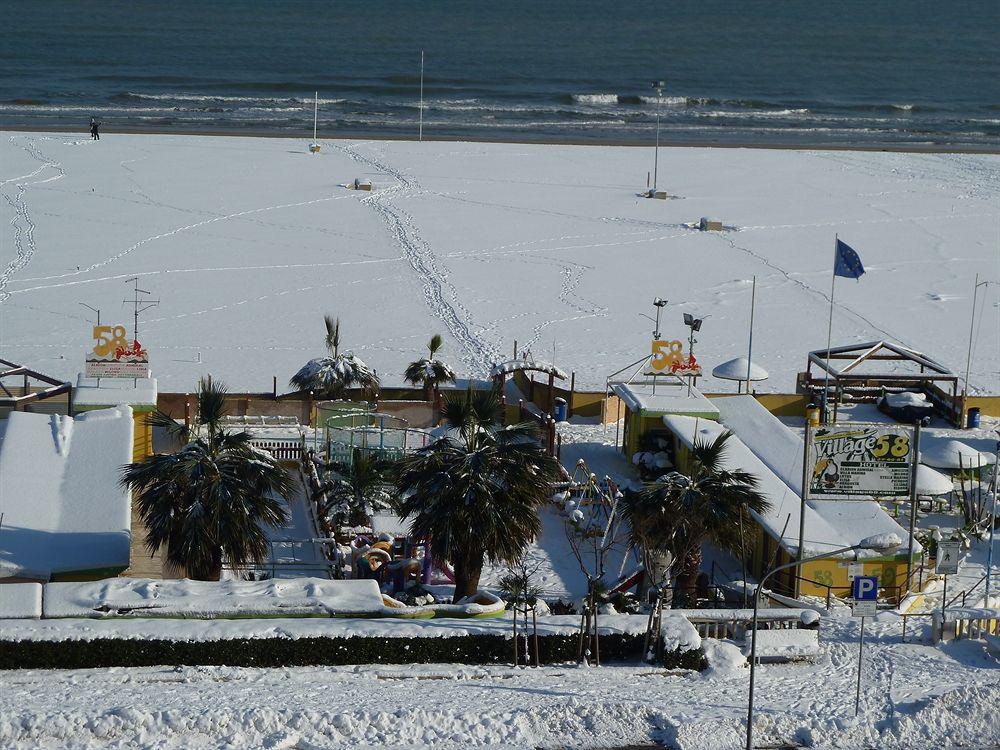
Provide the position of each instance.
(282, 652)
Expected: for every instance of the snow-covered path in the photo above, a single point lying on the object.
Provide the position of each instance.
(914, 696)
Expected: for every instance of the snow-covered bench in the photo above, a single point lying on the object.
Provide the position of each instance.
(784, 645)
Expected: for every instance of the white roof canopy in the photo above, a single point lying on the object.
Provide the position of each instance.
(736, 369)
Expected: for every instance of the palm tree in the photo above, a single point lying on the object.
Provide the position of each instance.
(357, 489)
(332, 375)
(475, 493)
(678, 512)
(430, 372)
(211, 499)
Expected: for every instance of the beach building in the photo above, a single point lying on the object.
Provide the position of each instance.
(769, 450)
(64, 515)
(138, 393)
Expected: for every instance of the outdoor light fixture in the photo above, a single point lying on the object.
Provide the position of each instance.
(692, 322)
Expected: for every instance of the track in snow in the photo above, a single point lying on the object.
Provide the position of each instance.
(477, 354)
(24, 227)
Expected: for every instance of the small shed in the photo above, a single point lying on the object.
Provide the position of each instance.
(648, 401)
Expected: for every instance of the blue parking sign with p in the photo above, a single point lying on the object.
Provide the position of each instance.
(865, 588)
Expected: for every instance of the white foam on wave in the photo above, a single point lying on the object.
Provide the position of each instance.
(672, 101)
(259, 100)
(595, 98)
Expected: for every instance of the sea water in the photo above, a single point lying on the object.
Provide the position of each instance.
(855, 72)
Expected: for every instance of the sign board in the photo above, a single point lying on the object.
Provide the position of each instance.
(871, 460)
(854, 570)
(114, 357)
(864, 592)
(667, 358)
(949, 557)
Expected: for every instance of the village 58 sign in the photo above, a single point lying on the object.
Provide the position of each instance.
(667, 358)
(860, 459)
(113, 356)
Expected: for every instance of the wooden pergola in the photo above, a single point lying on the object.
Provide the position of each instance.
(16, 397)
(843, 369)
(500, 371)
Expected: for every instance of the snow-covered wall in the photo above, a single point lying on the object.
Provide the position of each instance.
(63, 509)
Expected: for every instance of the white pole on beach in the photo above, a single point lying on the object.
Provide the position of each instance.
(315, 113)
(420, 135)
(658, 85)
(829, 329)
(753, 300)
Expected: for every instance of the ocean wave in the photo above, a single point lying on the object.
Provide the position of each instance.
(256, 100)
(594, 98)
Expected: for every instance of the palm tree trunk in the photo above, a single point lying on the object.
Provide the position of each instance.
(467, 573)
(687, 576)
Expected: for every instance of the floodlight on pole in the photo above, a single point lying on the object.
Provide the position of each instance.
(659, 304)
(881, 543)
(695, 325)
(658, 86)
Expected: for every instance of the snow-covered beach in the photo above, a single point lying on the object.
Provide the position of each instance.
(248, 241)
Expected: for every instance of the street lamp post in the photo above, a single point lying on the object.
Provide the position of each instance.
(972, 326)
(658, 86)
(875, 543)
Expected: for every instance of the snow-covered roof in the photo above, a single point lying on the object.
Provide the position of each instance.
(952, 454)
(668, 397)
(63, 509)
(736, 369)
(776, 460)
(114, 391)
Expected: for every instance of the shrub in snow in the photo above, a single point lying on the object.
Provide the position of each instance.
(333, 374)
(429, 372)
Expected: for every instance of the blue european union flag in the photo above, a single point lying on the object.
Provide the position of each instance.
(848, 263)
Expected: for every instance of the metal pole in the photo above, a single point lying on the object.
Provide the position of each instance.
(802, 509)
(829, 330)
(915, 457)
(421, 131)
(753, 300)
(861, 651)
(993, 521)
(944, 603)
(656, 152)
(968, 358)
(691, 357)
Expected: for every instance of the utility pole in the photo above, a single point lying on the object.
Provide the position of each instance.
(138, 305)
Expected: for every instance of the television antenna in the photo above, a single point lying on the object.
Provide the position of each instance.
(139, 305)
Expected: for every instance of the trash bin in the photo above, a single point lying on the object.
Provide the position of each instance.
(560, 409)
(812, 415)
(972, 421)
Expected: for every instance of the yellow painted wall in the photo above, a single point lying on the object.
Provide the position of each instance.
(142, 435)
(988, 405)
(832, 572)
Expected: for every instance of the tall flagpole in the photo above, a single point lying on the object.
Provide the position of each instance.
(753, 299)
(421, 131)
(829, 331)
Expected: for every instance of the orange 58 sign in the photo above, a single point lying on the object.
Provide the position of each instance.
(113, 356)
(667, 358)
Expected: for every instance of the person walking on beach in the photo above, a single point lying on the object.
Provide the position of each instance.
(94, 133)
